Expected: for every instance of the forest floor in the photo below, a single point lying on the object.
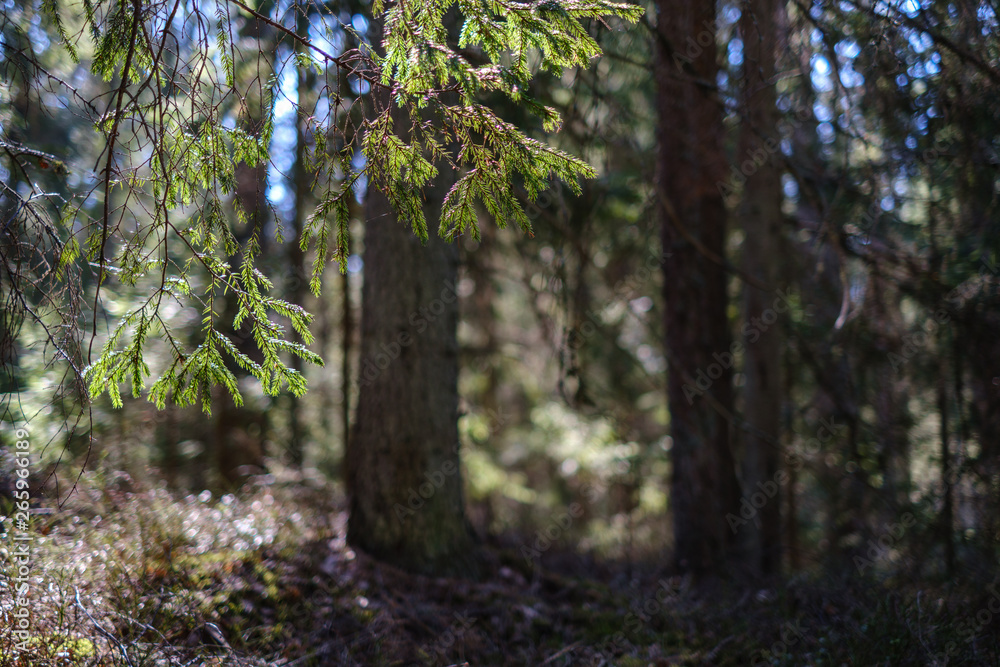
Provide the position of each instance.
(127, 577)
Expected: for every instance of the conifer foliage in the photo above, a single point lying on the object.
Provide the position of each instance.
(180, 75)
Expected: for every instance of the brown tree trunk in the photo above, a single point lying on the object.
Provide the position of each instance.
(889, 393)
(346, 334)
(947, 473)
(691, 166)
(761, 219)
(403, 468)
(791, 519)
(978, 227)
(984, 384)
(240, 431)
(298, 277)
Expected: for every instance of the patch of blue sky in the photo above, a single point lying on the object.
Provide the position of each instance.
(826, 133)
(987, 16)
(920, 41)
(327, 34)
(358, 163)
(911, 8)
(735, 52)
(820, 74)
(847, 50)
(283, 141)
(360, 24)
(822, 112)
(790, 186)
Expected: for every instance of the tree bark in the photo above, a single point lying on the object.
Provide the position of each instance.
(403, 467)
(298, 272)
(346, 334)
(691, 167)
(239, 439)
(761, 218)
(947, 486)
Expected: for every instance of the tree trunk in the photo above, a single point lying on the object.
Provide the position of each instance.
(298, 272)
(691, 165)
(947, 480)
(791, 543)
(240, 431)
(984, 383)
(761, 218)
(346, 333)
(403, 468)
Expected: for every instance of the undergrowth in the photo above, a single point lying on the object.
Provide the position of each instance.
(141, 577)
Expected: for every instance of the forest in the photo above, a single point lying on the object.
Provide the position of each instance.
(499, 332)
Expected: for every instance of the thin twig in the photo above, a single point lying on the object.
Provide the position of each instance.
(568, 649)
(126, 71)
(107, 635)
(340, 62)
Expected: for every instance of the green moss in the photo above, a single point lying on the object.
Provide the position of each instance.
(598, 624)
(70, 648)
